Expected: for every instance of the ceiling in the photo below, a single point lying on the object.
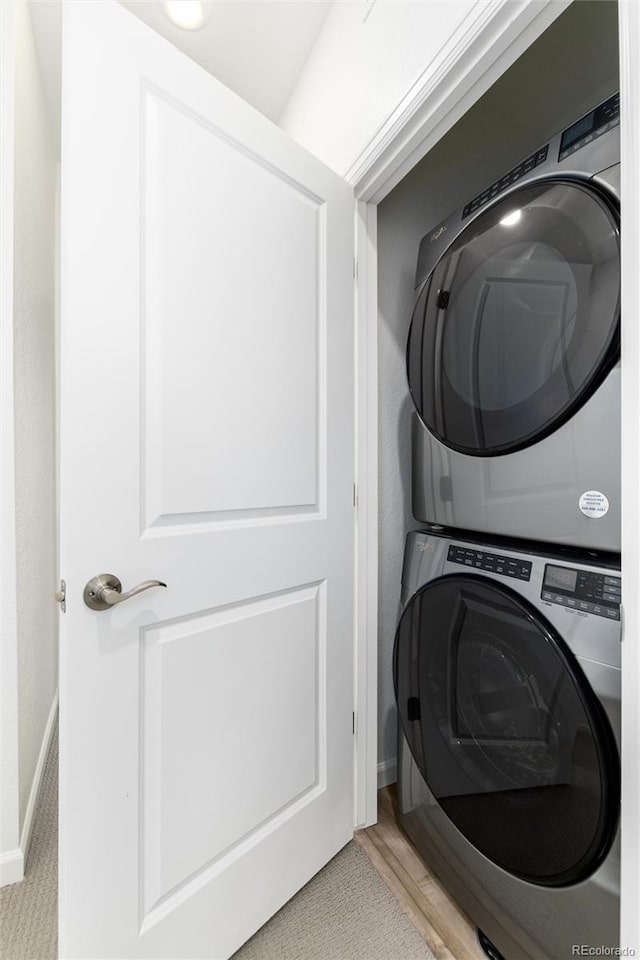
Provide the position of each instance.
(257, 48)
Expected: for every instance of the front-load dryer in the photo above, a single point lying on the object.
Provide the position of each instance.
(507, 679)
(513, 351)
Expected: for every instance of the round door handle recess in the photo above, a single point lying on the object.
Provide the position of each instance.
(105, 591)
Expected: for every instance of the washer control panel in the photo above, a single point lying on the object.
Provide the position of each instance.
(582, 590)
(494, 562)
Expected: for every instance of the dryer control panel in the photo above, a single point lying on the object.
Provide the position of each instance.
(592, 125)
(582, 590)
(493, 562)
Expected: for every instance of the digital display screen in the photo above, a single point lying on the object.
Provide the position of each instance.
(585, 125)
(562, 578)
(590, 126)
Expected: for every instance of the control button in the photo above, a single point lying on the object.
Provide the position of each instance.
(613, 613)
(571, 602)
(558, 599)
(469, 562)
(541, 155)
(584, 606)
(613, 581)
(547, 596)
(598, 609)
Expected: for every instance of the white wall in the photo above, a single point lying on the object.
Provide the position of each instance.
(34, 415)
(568, 69)
(367, 57)
(9, 770)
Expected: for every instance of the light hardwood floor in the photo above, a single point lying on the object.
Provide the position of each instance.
(446, 929)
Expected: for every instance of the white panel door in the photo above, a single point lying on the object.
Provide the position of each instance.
(207, 442)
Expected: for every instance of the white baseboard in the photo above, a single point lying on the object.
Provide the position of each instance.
(12, 863)
(387, 773)
(11, 867)
(27, 827)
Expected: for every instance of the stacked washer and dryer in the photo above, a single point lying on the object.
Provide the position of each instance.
(507, 655)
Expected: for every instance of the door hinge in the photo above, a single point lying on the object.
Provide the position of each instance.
(61, 596)
(353, 724)
(355, 494)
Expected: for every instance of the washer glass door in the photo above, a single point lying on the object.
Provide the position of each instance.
(518, 323)
(506, 730)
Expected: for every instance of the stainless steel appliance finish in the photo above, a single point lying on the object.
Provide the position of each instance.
(507, 673)
(513, 351)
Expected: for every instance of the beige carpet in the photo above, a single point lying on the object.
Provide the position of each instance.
(345, 913)
(28, 910)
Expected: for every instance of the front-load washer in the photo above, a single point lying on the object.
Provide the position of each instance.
(507, 680)
(513, 351)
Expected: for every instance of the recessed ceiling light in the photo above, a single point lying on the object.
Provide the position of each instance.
(186, 14)
(511, 218)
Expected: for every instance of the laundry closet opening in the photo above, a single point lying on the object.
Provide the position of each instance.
(510, 444)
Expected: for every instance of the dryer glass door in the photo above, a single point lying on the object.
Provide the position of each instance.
(506, 730)
(518, 323)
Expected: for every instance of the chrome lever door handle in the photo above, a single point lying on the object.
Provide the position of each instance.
(106, 591)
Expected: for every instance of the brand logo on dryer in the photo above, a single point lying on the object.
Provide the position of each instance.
(438, 233)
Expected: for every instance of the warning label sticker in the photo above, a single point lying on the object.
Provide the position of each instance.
(593, 504)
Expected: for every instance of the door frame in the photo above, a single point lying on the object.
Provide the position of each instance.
(487, 42)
